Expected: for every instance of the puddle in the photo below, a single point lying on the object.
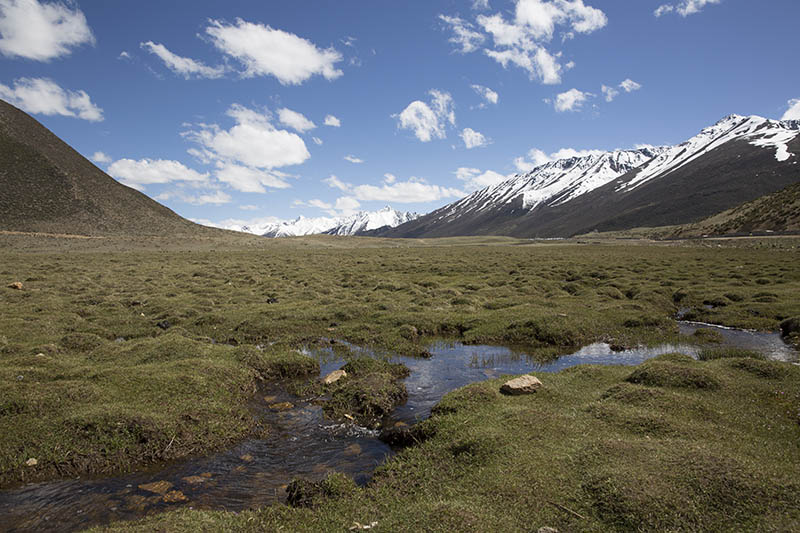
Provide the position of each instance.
(302, 443)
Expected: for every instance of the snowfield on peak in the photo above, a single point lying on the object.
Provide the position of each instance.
(349, 225)
(757, 131)
(557, 182)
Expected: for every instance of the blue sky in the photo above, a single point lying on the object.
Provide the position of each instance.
(244, 110)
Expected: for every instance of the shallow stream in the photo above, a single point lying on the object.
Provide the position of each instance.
(303, 443)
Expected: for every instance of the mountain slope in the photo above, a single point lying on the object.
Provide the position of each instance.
(777, 212)
(736, 160)
(46, 186)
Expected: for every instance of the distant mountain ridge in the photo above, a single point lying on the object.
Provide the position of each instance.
(47, 187)
(734, 161)
(348, 225)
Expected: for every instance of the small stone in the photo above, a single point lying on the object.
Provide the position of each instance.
(195, 480)
(333, 377)
(353, 449)
(281, 406)
(270, 399)
(164, 324)
(40, 354)
(174, 496)
(157, 487)
(547, 529)
(247, 458)
(31, 462)
(16, 285)
(522, 385)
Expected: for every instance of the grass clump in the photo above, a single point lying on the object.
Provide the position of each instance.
(709, 354)
(665, 373)
(708, 336)
(369, 392)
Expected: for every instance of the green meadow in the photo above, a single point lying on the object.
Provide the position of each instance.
(117, 355)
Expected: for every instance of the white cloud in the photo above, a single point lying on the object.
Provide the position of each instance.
(124, 55)
(249, 207)
(464, 34)
(215, 198)
(143, 172)
(685, 7)
(41, 32)
(248, 179)
(475, 179)
(346, 206)
(411, 191)
(353, 159)
(100, 157)
(390, 190)
(428, 121)
(330, 120)
(296, 121)
(486, 93)
(253, 142)
(317, 141)
(610, 93)
(183, 66)
(793, 113)
(663, 10)
(537, 61)
(536, 157)
(571, 100)
(44, 96)
(480, 4)
(522, 41)
(264, 51)
(336, 183)
(473, 139)
(629, 85)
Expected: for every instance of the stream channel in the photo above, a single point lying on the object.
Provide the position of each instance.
(303, 443)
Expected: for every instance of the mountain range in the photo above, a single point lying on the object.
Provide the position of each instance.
(48, 187)
(737, 160)
(355, 224)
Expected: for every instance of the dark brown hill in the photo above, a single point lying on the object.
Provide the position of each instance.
(46, 186)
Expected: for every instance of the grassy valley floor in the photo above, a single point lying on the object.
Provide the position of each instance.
(117, 354)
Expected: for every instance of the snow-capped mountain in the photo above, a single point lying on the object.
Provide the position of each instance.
(556, 182)
(371, 220)
(758, 131)
(736, 160)
(349, 225)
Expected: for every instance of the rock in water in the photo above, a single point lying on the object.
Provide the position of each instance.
(522, 385)
(333, 377)
(157, 487)
(174, 496)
